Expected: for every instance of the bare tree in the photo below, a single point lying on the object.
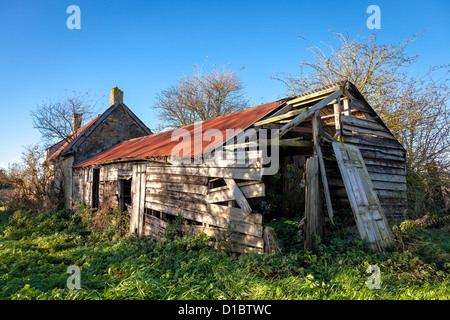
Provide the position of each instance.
(363, 60)
(53, 118)
(417, 112)
(4, 183)
(414, 108)
(200, 96)
(27, 179)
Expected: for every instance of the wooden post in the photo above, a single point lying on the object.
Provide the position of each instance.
(337, 118)
(317, 131)
(285, 186)
(313, 207)
(303, 116)
(347, 110)
(138, 184)
(238, 195)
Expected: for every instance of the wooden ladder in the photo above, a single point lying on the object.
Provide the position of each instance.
(370, 219)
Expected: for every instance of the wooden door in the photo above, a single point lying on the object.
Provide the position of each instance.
(138, 199)
(370, 219)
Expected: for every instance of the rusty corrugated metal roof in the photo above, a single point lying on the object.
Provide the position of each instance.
(160, 145)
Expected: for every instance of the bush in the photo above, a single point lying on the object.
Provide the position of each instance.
(104, 224)
(427, 238)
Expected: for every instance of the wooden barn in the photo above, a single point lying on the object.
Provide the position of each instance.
(349, 156)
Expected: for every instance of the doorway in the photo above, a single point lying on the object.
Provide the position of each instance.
(95, 187)
(125, 195)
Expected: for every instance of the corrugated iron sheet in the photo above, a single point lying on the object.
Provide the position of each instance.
(160, 145)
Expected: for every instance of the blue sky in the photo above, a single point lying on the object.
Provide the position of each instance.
(142, 47)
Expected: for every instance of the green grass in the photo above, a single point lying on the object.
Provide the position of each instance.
(36, 249)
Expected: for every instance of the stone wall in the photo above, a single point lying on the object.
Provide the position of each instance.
(117, 127)
(58, 172)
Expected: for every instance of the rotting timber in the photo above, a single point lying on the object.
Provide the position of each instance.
(351, 159)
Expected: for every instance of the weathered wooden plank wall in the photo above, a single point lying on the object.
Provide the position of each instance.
(384, 157)
(108, 185)
(185, 191)
(216, 209)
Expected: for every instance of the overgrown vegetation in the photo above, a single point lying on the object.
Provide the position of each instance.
(37, 248)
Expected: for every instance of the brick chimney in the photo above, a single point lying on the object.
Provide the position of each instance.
(76, 122)
(116, 96)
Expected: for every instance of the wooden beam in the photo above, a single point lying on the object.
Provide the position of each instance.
(358, 104)
(301, 117)
(392, 194)
(242, 146)
(349, 95)
(235, 173)
(317, 133)
(337, 118)
(238, 195)
(250, 189)
(288, 114)
(299, 104)
(347, 110)
(275, 126)
(311, 97)
(295, 142)
(313, 207)
(283, 110)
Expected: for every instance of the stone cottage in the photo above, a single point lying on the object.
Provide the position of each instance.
(117, 124)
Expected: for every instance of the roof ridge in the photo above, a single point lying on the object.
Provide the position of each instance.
(323, 88)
